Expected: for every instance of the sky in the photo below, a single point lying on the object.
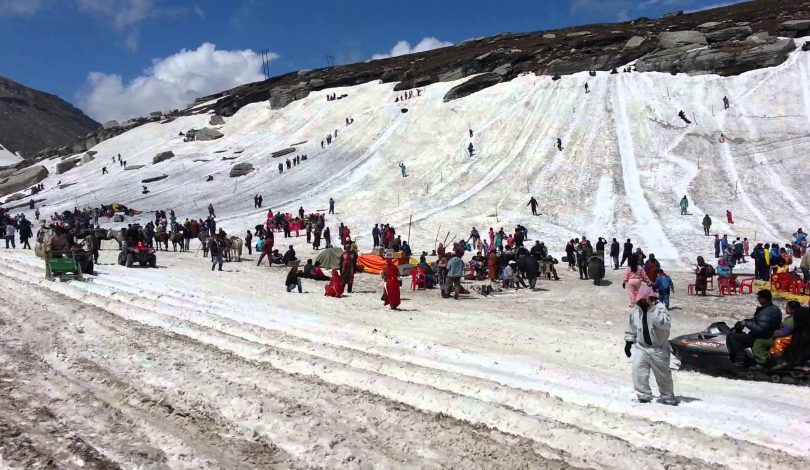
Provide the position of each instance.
(116, 59)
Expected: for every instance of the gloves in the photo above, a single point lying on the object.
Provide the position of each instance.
(624, 284)
(627, 346)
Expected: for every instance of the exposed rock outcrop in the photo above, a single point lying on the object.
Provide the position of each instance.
(204, 134)
(66, 165)
(216, 120)
(154, 178)
(672, 39)
(736, 33)
(162, 156)
(732, 59)
(473, 85)
(241, 169)
(14, 180)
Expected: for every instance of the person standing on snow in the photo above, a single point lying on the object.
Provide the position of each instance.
(587, 90)
(684, 205)
(559, 144)
(331, 206)
(614, 254)
(707, 224)
(390, 275)
(725, 102)
(471, 149)
(533, 204)
(647, 343)
(626, 252)
(216, 253)
(729, 217)
(634, 278)
(403, 169)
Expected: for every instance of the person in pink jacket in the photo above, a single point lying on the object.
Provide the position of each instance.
(633, 278)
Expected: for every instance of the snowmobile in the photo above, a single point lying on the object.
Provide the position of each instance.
(707, 352)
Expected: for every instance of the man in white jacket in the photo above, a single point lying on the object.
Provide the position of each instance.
(647, 342)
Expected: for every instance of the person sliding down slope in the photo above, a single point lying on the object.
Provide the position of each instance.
(559, 145)
(682, 115)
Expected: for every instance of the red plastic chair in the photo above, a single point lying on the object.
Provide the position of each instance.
(418, 279)
(747, 283)
(710, 283)
(727, 286)
(800, 287)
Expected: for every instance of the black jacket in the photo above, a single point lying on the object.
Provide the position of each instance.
(614, 249)
(529, 266)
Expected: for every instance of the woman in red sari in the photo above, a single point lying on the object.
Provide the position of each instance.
(391, 292)
(335, 286)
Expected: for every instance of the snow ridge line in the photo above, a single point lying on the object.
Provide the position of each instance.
(650, 229)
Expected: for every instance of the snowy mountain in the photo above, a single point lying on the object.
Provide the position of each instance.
(8, 158)
(627, 159)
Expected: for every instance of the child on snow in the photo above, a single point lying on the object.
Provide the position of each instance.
(664, 286)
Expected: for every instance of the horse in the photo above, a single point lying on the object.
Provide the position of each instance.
(203, 237)
(232, 246)
(177, 239)
(101, 234)
(162, 238)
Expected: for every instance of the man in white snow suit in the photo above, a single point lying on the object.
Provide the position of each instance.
(647, 342)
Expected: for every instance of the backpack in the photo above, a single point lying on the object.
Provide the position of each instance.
(710, 270)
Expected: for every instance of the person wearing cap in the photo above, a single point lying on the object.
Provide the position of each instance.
(647, 343)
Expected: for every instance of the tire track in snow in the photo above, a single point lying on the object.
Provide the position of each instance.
(648, 226)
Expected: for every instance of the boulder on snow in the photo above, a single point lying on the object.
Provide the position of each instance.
(162, 156)
(66, 165)
(473, 85)
(709, 26)
(13, 180)
(672, 39)
(241, 169)
(87, 158)
(729, 34)
(154, 178)
(216, 120)
(806, 46)
(204, 134)
(133, 167)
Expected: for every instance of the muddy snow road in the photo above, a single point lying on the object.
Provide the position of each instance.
(184, 368)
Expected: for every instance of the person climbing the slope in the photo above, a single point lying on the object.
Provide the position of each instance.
(684, 205)
(647, 343)
(729, 217)
(471, 149)
(533, 204)
(707, 224)
(587, 90)
(403, 169)
(725, 102)
(559, 144)
(682, 115)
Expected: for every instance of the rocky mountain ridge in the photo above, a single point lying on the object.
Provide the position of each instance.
(724, 41)
(31, 120)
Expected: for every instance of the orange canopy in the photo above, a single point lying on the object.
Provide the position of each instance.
(375, 264)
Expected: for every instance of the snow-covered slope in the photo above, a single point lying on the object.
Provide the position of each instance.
(7, 157)
(627, 161)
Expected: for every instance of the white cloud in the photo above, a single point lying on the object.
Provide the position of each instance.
(171, 82)
(404, 47)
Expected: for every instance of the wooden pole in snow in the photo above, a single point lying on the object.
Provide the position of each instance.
(436, 242)
(410, 220)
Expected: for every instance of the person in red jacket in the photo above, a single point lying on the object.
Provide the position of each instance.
(729, 217)
(335, 286)
(391, 293)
